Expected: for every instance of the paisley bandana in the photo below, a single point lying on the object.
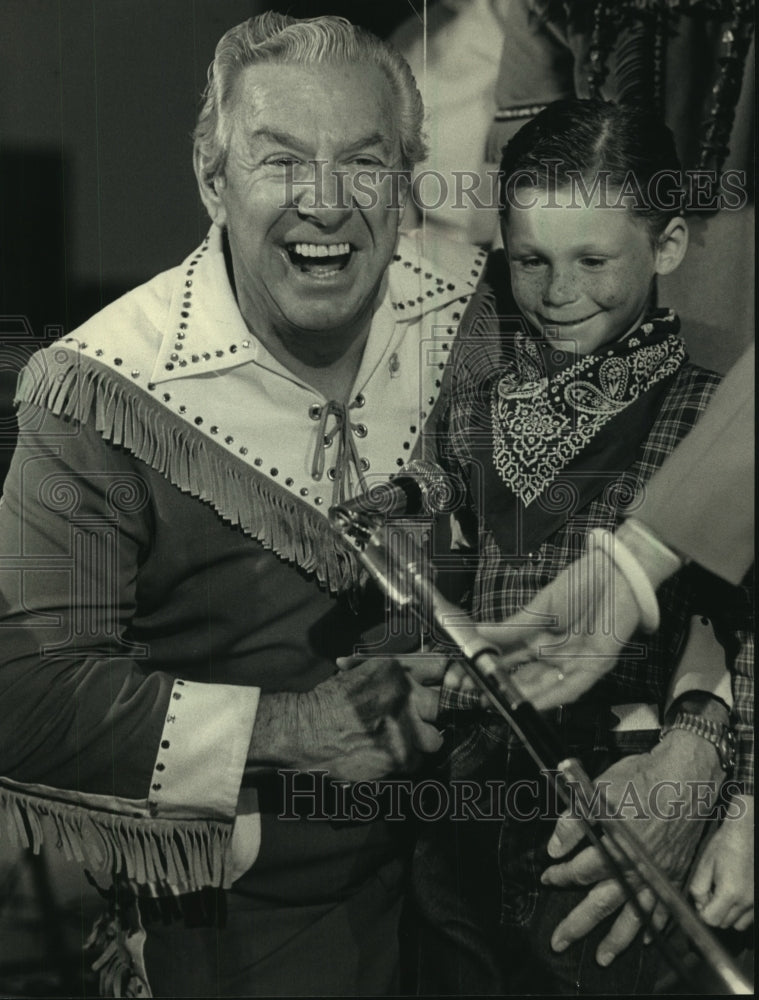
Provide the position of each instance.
(564, 428)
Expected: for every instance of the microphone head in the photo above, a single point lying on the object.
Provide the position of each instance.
(419, 488)
(432, 489)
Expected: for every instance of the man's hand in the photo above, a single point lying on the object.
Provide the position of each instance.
(574, 631)
(360, 724)
(722, 886)
(425, 668)
(668, 793)
(567, 637)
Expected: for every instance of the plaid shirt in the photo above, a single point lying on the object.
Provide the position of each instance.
(504, 585)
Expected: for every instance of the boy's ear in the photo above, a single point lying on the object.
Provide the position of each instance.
(209, 187)
(671, 246)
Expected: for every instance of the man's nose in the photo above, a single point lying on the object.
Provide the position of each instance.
(560, 288)
(324, 197)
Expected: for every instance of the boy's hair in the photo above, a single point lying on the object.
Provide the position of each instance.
(278, 38)
(582, 142)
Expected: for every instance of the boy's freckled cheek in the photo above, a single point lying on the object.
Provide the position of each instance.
(608, 297)
(528, 286)
(602, 293)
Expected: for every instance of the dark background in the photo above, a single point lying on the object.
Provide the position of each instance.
(99, 98)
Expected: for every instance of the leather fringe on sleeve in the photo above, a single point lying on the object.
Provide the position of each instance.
(80, 389)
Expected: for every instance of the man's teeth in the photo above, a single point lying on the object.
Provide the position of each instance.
(321, 250)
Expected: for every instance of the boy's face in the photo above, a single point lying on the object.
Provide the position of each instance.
(581, 274)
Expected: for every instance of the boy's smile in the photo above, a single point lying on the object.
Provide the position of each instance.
(583, 275)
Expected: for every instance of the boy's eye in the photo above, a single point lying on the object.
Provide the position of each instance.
(531, 262)
(593, 261)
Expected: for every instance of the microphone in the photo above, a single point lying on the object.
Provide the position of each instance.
(420, 487)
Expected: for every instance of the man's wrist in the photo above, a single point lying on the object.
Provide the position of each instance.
(632, 572)
(709, 725)
(271, 743)
(705, 704)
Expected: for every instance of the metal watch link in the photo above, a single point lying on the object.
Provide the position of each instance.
(719, 735)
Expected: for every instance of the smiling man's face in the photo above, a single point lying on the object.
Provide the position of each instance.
(308, 260)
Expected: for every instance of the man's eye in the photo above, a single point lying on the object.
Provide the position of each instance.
(593, 262)
(283, 161)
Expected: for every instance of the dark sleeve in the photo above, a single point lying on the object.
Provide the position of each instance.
(82, 709)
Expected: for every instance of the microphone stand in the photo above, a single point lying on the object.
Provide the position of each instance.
(409, 586)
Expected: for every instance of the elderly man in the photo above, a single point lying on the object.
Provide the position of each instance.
(171, 594)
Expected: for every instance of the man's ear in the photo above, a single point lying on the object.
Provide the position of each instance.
(210, 186)
(671, 246)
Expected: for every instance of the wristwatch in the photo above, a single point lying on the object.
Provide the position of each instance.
(720, 736)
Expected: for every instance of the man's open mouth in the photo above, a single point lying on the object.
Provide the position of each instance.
(319, 258)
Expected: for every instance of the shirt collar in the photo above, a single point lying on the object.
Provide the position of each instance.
(204, 330)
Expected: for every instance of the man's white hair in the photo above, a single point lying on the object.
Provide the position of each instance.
(277, 38)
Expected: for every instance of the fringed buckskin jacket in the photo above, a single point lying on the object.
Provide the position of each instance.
(165, 555)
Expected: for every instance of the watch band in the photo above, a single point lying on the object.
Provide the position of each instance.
(720, 736)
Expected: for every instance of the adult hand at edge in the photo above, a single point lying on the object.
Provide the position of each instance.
(669, 794)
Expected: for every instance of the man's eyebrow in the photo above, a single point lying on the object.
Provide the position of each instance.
(277, 138)
(374, 139)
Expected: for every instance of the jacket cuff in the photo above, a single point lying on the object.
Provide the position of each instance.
(203, 749)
